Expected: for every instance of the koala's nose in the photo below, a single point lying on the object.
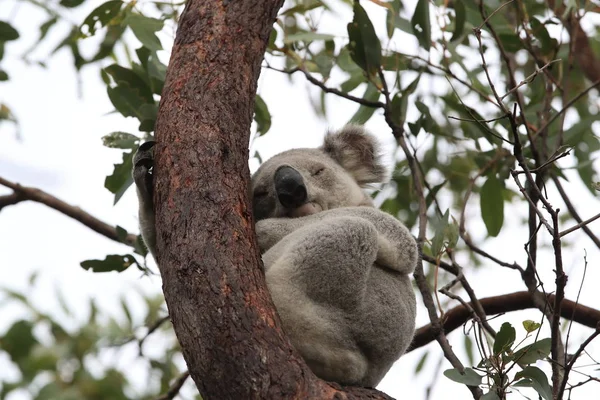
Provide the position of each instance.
(290, 187)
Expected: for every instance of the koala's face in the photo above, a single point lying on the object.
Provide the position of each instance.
(301, 182)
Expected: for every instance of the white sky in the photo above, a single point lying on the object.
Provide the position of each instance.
(61, 153)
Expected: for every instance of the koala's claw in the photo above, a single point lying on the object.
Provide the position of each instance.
(143, 162)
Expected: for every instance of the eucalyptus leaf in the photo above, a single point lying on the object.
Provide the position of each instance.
(469, 377)
(505, 338)
(492, 205)
(364, 46)
(533, 352)
(421, 25)
(112, 262)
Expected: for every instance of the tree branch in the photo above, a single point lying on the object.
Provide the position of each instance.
(457, 316)
(23, 193)
(10, 199)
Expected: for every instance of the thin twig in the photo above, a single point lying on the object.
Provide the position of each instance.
(101, 227)
(576, 302)
(557, 348)
(151, 330)
(569, 366)
(574, 212)
(569, 104)
(419, 275)
(579, 225)
(529, 79)
(530, 200)
(175, 388)
(326, 89)
(485, 21)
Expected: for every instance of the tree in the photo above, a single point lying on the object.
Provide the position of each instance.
(514, 96)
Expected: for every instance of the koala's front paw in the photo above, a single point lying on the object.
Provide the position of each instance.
(143, 162)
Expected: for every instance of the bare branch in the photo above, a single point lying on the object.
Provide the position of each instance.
(326, 89)
(579, 225)
(574, 212)
(569, 366)
(10, 199)
(37, 195)
(569, 104)
(175, 388)
(516, 301)
(530, 78)
(557, 346)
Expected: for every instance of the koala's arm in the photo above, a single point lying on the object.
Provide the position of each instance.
(397, 248)
(143, 161)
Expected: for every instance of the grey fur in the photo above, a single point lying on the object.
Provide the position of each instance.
(336, 267)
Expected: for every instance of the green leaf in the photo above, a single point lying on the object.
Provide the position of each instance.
(127, 312)
(101, 16)
(364, 113)
(531, 326)
(18, 341)
(364, 45)
(3, 75)
(510, 41)
(539, 31)
(147, 116)
(7, 32)
(437, 244)
(120, 140)
(126, 100)
(492, 205)
(421, 25)
(145, 28)
(304, 36)
(121, 177)
(451, 233)
(459, 22)
(505, 338)
(352, 83)
(469, 349)
(533, 352)
(393, 12)
(71, 3)
(535, 379)
(127, 77)
(262, 116)
(469, 377)
(491, 395)
(112, 262)
(421, 363)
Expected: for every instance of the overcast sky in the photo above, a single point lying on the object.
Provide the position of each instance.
(60, 151)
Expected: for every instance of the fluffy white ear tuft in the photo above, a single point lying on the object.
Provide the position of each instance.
(357, 152)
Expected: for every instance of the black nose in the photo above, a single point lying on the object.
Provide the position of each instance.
(290, 187)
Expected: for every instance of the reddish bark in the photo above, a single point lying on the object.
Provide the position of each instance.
(223, 317)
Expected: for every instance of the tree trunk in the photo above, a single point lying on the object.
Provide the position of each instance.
(222, 313)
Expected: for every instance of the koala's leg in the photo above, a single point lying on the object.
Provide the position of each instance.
(327, 260)
(143, 162)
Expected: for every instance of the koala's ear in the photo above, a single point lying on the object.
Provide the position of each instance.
(357, 152)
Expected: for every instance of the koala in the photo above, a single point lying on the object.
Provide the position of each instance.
(336, 267)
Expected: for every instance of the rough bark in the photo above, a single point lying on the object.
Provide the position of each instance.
(222, 314)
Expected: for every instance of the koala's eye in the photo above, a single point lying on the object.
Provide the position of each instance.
(318, 171)
(260, 194)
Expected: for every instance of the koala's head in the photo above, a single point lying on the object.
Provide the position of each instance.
(300, 182)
